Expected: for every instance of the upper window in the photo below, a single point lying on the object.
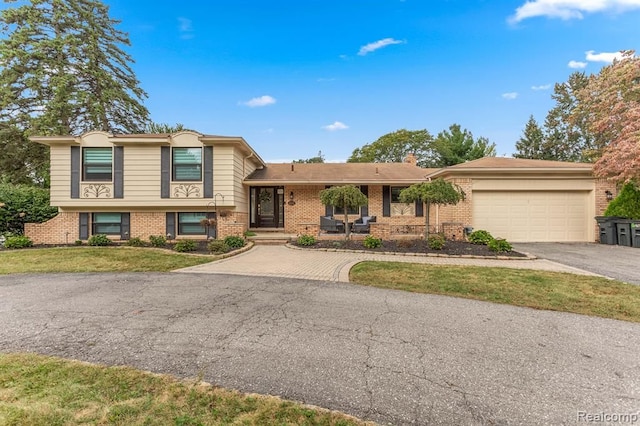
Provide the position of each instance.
(106, 223)
(97, 164)
(395, 193)
(187, 163)
(189, 223)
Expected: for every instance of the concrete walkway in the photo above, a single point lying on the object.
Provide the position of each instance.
(288, 262)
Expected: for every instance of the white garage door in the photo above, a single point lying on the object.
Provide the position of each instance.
(534, 215)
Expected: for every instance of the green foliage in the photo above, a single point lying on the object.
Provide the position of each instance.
(234, 241)
(480, 237)
(394, 148)
(217, 247)
(317, 159)
(135, 242)
(499, 245)
(346, 197)
(455, 146)
(99, 240)
(436, 242)
(372, 242)
(306, 240)
(155, 128)
(23, 204)
(78, 242)
(530, 145)
(158, 240)
(22, 161)
(627, 203)
(184, 246)
(249, 234)
(18, 242)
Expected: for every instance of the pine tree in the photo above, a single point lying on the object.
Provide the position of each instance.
(531, 143)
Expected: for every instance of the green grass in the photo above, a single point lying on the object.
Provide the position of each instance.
(95, 259)
(37, 390)
(534, 289)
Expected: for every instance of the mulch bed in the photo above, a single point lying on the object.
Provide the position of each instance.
(453, 248)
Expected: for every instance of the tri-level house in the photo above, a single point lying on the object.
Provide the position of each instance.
(138, 185)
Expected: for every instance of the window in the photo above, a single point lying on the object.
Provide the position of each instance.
(96, 164)
(340, 211)
(106, 223)
(187, 164)
(189, 224)
(395, 193)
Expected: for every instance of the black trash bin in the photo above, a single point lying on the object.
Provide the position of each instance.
(635, 233)
(623, 228)
(607, 226)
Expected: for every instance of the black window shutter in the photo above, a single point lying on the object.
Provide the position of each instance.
(75, 172)
(212, 230)
(118, 172)
(364, 210)
(171, 225)
(165, 172)
(328, 210)
(125, 226)
(419, 208)
(208, 172)
(386, 201)
(83, 230)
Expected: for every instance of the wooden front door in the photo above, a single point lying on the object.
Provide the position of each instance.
(267, 207)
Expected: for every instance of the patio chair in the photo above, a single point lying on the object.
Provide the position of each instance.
(329, 224)
(361, 225)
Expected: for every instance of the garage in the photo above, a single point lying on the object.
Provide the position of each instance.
(528, 216)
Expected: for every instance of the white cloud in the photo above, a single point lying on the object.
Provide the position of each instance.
(335, 126)
(607, 57)
(576, 65)
(510, 95)
(371, 47)
(186, 28)
(570, 9)
(259, 101)
(541, 87)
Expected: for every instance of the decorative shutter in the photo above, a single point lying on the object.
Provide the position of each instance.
(419, 208)
(165, 172)
(118, 172)
(328, 210)
(125, 226)
(83, 230)
(212, 230)
(386, 201)
(75, 172)
(364, 210)
(171, 225)
(208, 172)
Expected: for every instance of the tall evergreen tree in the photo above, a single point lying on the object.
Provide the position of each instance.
(64, 71)
(531, 143)
(457, 145)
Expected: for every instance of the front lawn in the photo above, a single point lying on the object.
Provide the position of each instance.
(534, 289)
(37, 390)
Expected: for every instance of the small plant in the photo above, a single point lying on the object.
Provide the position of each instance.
(158, 240)
(99, 240)
(337, 244)
(249, 234)
(17, 242)
(234, 242)
(306, 240)
(499, 245)
(372, 242)
(217, 247)
(480, 237)
(135, 242)
(78, 242)
(184, 246)
(436, 242)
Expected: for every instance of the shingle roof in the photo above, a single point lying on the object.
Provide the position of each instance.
(338, 173)
(504, 164)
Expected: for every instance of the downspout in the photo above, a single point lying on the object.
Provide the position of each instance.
(244, 162)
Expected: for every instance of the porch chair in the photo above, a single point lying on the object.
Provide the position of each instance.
(329, 224)
(361, 225)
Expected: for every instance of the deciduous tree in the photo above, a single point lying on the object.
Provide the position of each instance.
(345, 197)
(394, 148)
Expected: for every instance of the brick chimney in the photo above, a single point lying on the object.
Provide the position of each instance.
(411, 159)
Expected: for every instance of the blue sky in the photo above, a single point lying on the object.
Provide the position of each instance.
(297, 77)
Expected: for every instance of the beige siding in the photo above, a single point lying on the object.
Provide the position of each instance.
(60, 174)
(141, 173)
(223, 174)
(533, 184)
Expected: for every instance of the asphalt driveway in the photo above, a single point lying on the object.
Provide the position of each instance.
(618, 262)
(387, 356)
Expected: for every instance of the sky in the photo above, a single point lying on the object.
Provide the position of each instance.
(297, 77)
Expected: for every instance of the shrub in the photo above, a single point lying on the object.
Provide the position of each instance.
(234, 242)
(135, 242)
(158, 240)
(306, 240)
(78, 242)
(627, 203)
(217, 247)
(99, 240)
(184, 246)
(435, 242)
(22, 204)
(372, 242)
(249, 234)
(499, 245)
(480, 237)
(17, 242)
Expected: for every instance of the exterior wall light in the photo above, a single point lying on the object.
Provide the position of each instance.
(609, 195)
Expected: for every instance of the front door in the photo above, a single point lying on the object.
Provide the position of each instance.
(267, 207)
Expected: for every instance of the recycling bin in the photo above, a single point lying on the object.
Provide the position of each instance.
(623, 228)
(607, 227)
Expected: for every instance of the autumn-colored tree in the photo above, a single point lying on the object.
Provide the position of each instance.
(611, 103)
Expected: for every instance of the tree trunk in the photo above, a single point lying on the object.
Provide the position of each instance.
(347, 231)
(426, 220)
